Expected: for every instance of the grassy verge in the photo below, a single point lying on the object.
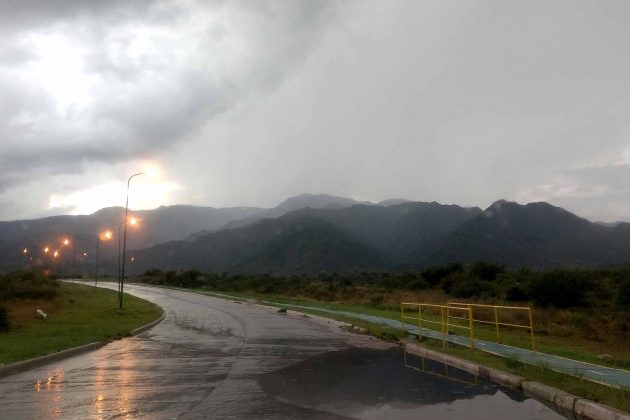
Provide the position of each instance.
(78, 315)
(614, 397)
(595, 392)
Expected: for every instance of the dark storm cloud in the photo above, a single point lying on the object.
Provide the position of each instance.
(459, 102)
(154, 73)
(24, 15)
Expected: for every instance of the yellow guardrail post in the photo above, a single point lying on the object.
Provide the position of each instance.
(496, 322)
(420, 321)
(442, 326)
(402, 318)
(470, 328)
(531, 328)
(448, 318)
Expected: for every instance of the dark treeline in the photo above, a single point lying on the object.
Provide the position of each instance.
(562, 288)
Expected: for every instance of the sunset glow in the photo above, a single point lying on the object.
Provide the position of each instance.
(149, 192)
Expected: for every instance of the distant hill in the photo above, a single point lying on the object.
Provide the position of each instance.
(156, 226)
(313, 233)
(535, 235)
(315, 201)
(405, 232)
(294, 243)
(310, 240)
(392, 202)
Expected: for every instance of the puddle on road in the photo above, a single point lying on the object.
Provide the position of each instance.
(375, 384)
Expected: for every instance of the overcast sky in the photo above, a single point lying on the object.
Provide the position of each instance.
(250, 102)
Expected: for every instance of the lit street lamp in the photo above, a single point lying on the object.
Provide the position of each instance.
(66, 242)
(25, 252)
(104, 236)
(122, 276)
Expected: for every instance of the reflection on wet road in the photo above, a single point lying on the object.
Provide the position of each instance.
(212, 358)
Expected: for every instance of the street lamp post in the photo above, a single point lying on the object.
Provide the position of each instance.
(74, 255)
(107, 235)
(119, 271)
(98, 239)
(122, 276)
(66, 242)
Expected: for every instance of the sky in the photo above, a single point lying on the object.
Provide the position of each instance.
(246, 103)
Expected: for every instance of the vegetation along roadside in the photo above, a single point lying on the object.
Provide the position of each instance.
(75, 315)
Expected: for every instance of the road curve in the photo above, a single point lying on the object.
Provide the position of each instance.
(212, 358)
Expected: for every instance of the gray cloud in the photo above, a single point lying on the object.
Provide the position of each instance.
(248, 102)
(191, 62)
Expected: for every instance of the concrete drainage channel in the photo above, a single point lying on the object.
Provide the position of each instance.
(25, 365)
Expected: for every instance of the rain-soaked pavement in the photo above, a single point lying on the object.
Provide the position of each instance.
(213, 358)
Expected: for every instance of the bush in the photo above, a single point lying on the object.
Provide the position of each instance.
(418, 284)
(515, 285)
(516, 292)
(486, 270)
(5, 321)
(623, 294)
(434, 275)
(561, 288)
(27, 285)
(449, 281)
(472, 288)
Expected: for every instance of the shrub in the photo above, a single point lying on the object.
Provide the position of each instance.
(472, 288)
(516, 292)
(623, 294)
(561, 288)
(27, 285)
(449, 281)
(515, 285)
(486, 270)
(418, 284)
(434, 275)
(5, 321)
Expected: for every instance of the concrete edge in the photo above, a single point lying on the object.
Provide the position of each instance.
(560, 400)
(24, 365)
(150, 325)
(321, 319)
(18, 367)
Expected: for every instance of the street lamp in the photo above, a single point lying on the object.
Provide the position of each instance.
(104, 236)
(122, 277)
(133, 221)
(66, 242)
(26, 252)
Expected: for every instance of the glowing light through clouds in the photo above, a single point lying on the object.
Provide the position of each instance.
(250, 102)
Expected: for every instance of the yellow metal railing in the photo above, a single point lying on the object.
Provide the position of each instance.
(448, 374)
(495, 312)
(443, 313)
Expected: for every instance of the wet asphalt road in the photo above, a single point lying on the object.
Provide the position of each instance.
(212, 358)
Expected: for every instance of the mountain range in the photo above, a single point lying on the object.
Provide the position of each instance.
(315, 233)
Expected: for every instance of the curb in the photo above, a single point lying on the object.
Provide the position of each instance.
(19, 367)
(560, 400)
(150, 325)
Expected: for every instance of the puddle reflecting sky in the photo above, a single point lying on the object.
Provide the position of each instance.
(377, 384)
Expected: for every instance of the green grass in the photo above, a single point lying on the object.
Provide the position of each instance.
(614, 397)
(80, 315)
